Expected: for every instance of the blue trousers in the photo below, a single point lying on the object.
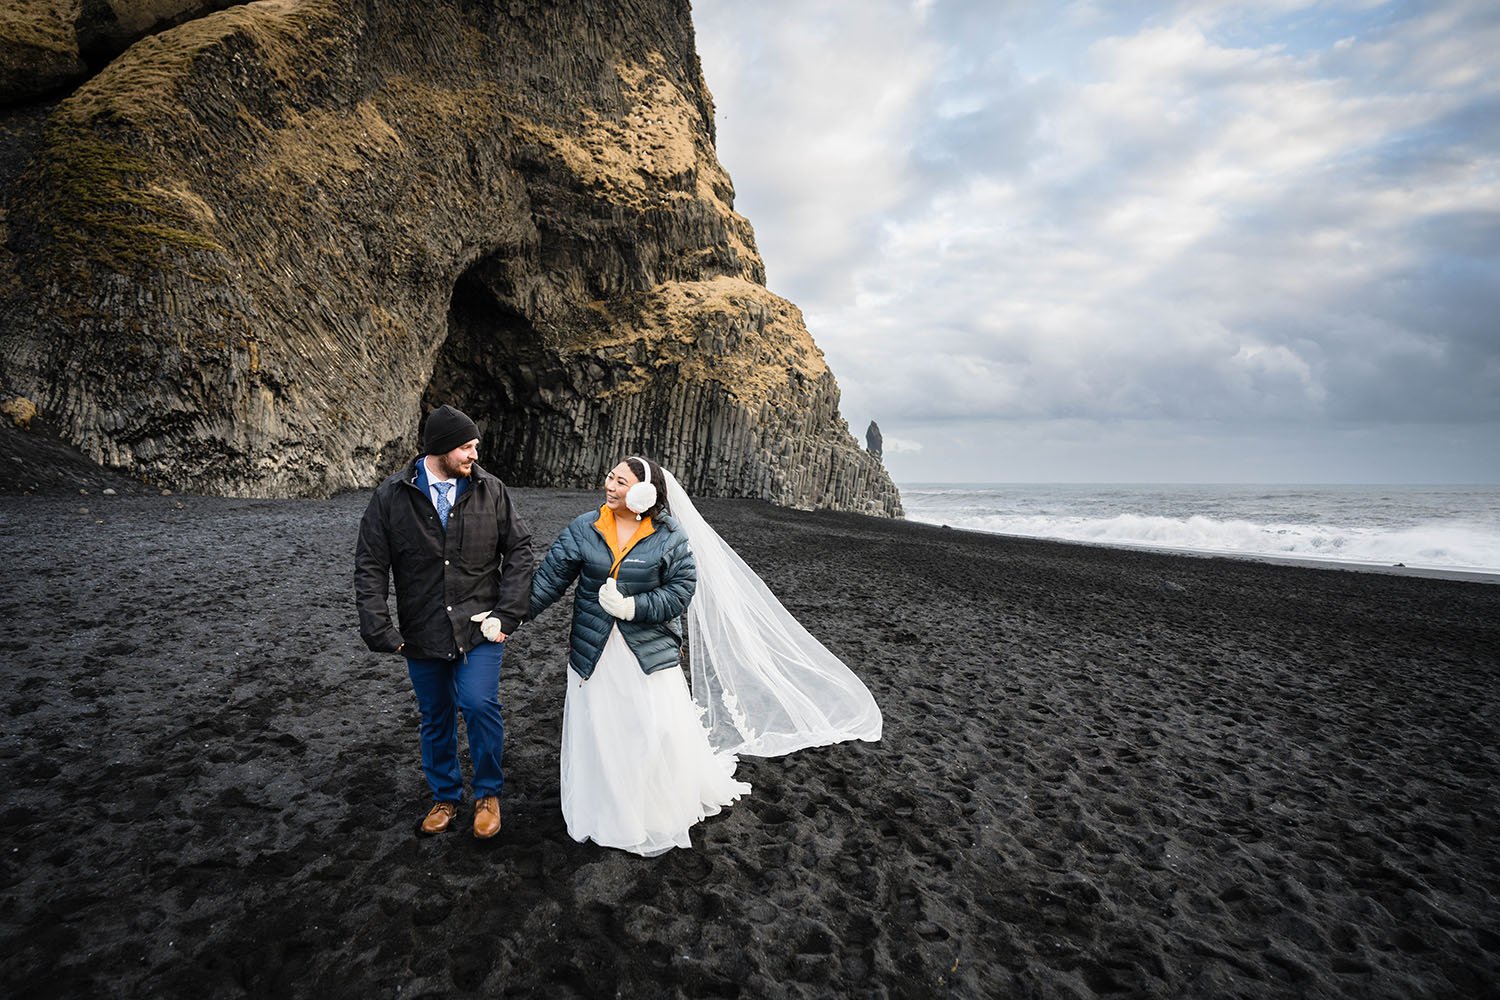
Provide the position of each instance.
(470, 684)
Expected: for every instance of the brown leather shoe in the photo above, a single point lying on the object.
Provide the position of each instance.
(439, 817)
(487, 817)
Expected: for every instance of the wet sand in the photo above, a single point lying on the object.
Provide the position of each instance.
(1104, 773)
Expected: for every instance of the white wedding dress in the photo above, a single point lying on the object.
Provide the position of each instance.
(644, 758)
(637, 768)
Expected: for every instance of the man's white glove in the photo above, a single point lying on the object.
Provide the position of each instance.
(616, 603)
(488, 627)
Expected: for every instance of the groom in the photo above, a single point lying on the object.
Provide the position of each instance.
(462, 560)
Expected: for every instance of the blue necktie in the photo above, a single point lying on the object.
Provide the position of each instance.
(443, 506)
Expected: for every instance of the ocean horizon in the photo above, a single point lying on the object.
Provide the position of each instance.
(1439, 527)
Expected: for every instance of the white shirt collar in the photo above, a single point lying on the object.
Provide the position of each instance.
(432, 477)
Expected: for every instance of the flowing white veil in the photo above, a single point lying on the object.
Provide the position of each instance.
(767, 687)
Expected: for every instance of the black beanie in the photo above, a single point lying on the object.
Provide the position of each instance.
(446, 429)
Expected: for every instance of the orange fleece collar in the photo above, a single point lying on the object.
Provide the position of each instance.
(608, 529)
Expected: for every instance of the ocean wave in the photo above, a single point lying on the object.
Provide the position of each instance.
(1448, 544)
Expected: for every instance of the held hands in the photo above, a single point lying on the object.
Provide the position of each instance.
(488, 627)
(616, 603)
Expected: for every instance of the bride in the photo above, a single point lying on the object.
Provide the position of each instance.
(644, 758)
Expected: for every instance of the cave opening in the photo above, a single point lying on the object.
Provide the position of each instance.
(488, 366)
(553, 416)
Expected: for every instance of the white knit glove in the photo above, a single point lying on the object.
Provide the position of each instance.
(616, 603)
(488, 627)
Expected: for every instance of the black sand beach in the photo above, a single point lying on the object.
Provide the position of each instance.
(1104, 773)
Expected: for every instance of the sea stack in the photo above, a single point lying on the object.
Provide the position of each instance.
(244, 254)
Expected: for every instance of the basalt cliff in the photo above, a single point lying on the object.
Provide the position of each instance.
(244, 247)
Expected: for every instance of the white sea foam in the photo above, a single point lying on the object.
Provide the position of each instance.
(1445, 545)
(1377, 526)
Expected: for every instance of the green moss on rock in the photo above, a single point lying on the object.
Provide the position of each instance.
(103, 206)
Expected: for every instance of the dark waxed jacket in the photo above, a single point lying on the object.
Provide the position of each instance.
(482, 562)
(658, 571)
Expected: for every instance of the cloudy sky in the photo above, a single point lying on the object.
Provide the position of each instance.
(1155, 242)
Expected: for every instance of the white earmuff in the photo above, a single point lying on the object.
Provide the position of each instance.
(642, 496)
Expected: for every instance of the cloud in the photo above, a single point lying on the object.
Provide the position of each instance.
(822, 119)
(1165, 451)
(1223, 212)
(901, 446)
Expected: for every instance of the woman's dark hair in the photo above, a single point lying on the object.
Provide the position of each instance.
(657, 480)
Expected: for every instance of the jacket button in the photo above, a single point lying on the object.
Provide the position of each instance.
(450, 607)
(445, 562)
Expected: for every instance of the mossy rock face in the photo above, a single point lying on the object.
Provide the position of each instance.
(103, 207)
(253, 249)
(49, 45)
(20, 410)
(38, 50)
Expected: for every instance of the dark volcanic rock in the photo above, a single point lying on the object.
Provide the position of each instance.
(47, 45)
(247, 254)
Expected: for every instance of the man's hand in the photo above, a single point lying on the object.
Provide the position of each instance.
(616, 603)
(488, 627)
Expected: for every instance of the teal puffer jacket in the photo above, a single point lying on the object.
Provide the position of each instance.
(658, 572)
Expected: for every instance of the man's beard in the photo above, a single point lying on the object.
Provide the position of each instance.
(450, 469)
